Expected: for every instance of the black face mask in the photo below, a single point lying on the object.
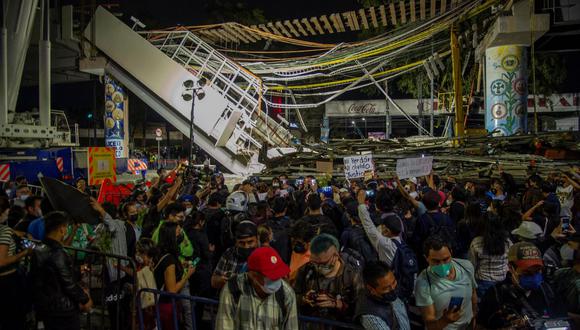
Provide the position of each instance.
(389, 297)
(133, 218)
(299, 248)
(244, 253)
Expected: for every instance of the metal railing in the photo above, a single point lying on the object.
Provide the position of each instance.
(102, 275)
(242, 89)
(304, 321)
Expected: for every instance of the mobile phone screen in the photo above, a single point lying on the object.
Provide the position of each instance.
(455, 303)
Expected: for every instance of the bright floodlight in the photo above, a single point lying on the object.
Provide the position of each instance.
(188, 84)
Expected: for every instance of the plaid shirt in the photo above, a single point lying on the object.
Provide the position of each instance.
(253, 312)
(488, 267)
(229, 264)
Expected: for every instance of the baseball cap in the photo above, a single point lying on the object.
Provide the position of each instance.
(525, 255)
(528, 230)
(246, 229)
(186, 198)
(267, 261)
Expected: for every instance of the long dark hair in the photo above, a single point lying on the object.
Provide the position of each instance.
(167, 239)
(494, 236)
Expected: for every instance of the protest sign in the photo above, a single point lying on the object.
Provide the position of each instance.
(356, 166)
(324, 167)
(414, 167)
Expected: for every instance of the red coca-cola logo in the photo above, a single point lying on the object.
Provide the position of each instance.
(367, 108)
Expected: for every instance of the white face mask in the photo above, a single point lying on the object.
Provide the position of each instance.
(23, 197)
(139, 259)
(188, 211)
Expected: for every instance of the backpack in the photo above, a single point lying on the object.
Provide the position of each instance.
(236, 293)
(405, 267)
(443, 231)
(228, 228)
(358, 241)
(352, 258)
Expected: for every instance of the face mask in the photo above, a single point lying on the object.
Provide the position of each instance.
(244, 253)
(567, 253)
(139, 259)
(389, 297)
(299, 248)
(23, 197)
(188, 211)
(270, 286)
(39, 213)
(133, 217)
(441, 270)
(325, 270)
(531, 282)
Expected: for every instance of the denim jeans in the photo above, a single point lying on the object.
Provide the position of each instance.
(482, 287)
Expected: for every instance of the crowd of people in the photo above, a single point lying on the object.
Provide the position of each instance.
(383, 253)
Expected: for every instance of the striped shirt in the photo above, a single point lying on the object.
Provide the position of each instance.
(254, 313)
(488, 267)
(7, 239)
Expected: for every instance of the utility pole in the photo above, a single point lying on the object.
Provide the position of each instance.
(457, 84)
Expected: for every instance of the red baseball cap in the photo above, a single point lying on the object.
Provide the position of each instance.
(267, 262)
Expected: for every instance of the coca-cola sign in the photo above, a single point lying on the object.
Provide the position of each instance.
(356, 108)
(362, 109)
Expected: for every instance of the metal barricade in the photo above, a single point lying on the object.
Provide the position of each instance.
(36, 190)
(304, 321)
(108, 288)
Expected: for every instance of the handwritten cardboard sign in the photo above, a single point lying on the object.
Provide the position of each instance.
(414, 167)
(356, 166)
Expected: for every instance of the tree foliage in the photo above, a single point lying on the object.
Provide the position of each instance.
(550, 74)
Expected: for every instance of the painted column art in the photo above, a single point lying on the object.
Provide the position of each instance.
(115, 115)
(506, 93)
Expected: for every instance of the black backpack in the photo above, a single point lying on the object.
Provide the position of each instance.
(352, 258)
(236, 292)
(358, 241)
(228, 228)
(405, 268)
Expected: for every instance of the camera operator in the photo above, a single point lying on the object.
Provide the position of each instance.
(523, 300)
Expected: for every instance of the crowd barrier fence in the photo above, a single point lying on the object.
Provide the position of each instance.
(112, 289)
(320, 323)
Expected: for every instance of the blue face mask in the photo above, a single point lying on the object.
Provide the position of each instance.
(270, 286)
(531, 282)
(441, 270)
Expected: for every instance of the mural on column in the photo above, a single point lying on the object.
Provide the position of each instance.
(115, 107)
(506, 90)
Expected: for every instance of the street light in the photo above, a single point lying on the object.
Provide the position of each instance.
(366, 131)
(189, 95)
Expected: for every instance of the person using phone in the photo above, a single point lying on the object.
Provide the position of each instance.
(524, 298)
(445, 291)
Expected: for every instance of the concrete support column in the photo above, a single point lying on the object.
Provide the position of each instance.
(44, 65)
(3, 73)
(115, 115)
(506, 89)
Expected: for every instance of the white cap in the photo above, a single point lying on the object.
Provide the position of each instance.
(414, 180)
(528, 230)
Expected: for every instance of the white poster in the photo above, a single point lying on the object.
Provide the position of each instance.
(356, 166)
(414, 167)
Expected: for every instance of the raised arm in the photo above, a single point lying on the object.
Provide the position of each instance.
(383, 245)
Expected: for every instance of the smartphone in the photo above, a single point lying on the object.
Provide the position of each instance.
(370, 193)
(565, 224)
(299, 182)
(313, 182)
(455, 303)
(195, 262)
(28, 244)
